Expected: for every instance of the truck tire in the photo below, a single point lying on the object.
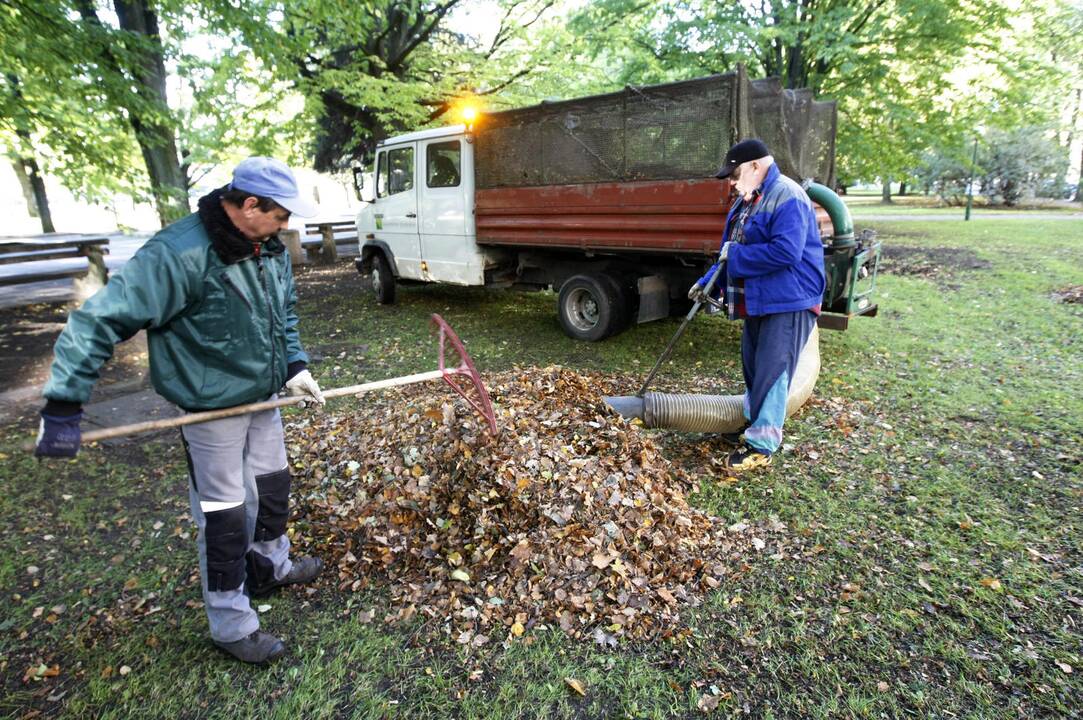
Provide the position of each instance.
(383, 281)
(589, 307)
(622, 304)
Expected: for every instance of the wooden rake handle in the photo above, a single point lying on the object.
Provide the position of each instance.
(201, 417)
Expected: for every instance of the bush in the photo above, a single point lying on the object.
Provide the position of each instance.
(1016, 163)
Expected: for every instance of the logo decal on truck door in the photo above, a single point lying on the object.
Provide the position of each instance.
(379, 222)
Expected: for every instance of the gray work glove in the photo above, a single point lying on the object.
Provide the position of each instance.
(304, 384)
(696, 293)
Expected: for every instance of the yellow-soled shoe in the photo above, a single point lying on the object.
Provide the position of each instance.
(747, 458)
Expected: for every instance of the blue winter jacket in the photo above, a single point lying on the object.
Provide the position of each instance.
(782, 259)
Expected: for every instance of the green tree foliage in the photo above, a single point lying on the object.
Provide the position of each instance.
(374, 68)
(886, 62)
(83, 93)
(52, 118)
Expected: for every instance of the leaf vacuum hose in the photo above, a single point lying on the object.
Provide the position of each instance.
(716, 413)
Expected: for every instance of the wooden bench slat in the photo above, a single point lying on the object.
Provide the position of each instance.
(41, 276)
(9, 258)
(10, 246)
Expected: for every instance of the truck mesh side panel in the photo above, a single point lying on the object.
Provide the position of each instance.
(799, 130)
(675, 131)
(666, 132)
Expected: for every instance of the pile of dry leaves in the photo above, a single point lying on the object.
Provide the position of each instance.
(569, 517)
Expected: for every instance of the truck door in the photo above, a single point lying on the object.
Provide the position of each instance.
(395, 211)
(447, 192)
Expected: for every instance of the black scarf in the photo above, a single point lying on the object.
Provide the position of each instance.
(226, 239)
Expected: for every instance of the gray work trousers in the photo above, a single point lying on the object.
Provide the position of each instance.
(239, 492)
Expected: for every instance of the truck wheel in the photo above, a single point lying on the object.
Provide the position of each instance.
(589, 307)
(383, 282)
(622, 305)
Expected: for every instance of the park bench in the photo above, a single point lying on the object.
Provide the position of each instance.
(321, 240)
(33, 251)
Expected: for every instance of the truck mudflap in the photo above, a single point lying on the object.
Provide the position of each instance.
(653, 298)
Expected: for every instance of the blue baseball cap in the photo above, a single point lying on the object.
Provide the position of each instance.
(273, 179)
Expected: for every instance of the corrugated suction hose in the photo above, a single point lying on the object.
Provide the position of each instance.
(717, 413)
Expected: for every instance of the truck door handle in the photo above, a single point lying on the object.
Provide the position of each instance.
(412, 215)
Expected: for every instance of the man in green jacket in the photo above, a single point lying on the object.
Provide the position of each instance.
(215, 293)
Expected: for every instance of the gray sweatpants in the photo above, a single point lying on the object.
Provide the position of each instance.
(239, 491)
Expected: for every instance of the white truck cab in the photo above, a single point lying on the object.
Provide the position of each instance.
(421, 212)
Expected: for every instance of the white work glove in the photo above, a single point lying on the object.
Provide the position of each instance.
(725, 251)
(304, 384)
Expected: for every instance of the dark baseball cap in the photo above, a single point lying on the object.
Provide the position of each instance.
(742, 152)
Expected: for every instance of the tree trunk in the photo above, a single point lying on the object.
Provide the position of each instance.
(156, 138)
(145, 107)
(902, 189)
(885, 194)
(24, 185)
(38, 201)
(1079, 186)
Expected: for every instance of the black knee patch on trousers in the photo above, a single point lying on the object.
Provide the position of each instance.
(261, 571)
(226, 546)
(274, 504)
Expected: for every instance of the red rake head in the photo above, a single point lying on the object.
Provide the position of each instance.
(451, 349)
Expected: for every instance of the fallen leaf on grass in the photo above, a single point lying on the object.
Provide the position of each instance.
(576, 685)
(708, 702)
(40, 672)
(991, 583)
(1064, 667)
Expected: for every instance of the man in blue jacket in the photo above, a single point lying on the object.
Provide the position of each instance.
(215, 293)
(774, 281)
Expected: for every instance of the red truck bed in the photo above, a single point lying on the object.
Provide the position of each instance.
(667, 216)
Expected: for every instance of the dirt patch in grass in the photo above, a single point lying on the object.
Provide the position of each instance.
(1072, 294)
(930, 262)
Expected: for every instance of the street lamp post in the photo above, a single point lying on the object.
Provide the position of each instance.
(970, 183)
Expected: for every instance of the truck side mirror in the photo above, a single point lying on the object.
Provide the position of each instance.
(361, 188)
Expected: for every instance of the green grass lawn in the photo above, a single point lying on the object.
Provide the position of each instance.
(931, 205)
(924, 558)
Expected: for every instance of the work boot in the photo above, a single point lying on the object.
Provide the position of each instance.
(304, 570)
(259, 648)
(747, 458)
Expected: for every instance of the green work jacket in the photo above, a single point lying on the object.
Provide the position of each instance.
(218, 335)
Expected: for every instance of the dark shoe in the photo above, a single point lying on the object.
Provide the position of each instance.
(747, 458)
(259, 648)
(304, 571)
(734, 438)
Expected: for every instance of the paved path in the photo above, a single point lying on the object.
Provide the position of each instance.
(926, 217)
